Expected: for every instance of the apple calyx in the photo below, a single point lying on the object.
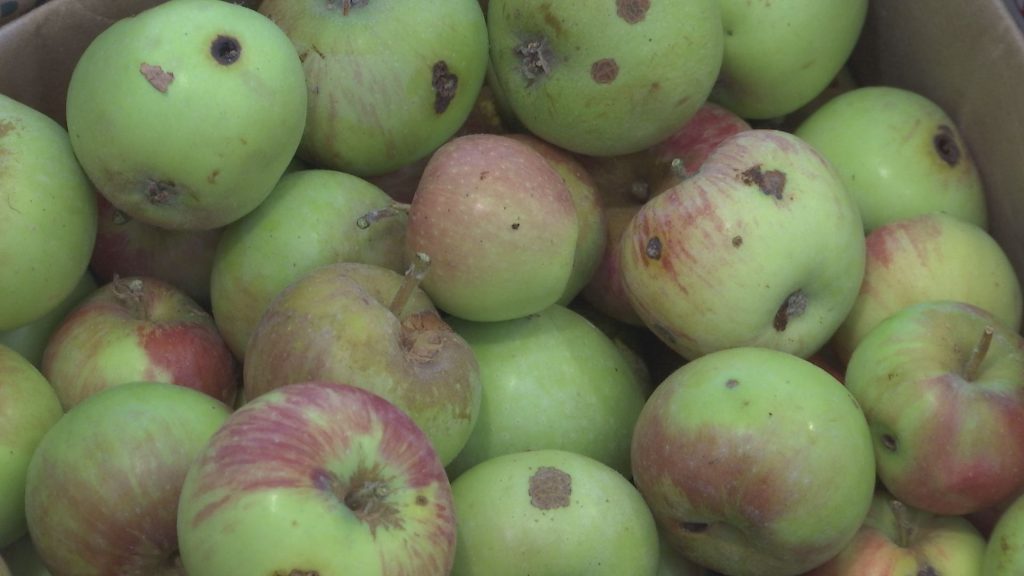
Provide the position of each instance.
(226, 50)
(794, 305)
(367, 495)
(946, 146)
(535, 59)
(413, 277)
(977, 356)
(389, 211)
(130, 292)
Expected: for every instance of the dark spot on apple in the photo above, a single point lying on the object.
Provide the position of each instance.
(297, 572)
(694, 527)
(655, 86)
(161, 192)
(732, 383)
(421, 500)
(928, 570)
(212, 177)
(794, 305)
(889, 442)
(737, 241)
(632, 11)
(653, 249)
(771, 183)
(226, 50)
(550, 19)
(515, 225)
(483, 175)
(550, 488)
(604, 71)
(6, 126)
(535, 59)
(445, 84)
(347, 5)
(946, 145)
(156, 76)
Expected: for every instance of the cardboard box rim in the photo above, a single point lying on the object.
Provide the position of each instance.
(966, 56)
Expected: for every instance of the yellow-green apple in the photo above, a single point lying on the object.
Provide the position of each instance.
(762, 247)
(23, 560)
(135, 329)
(779, 55)
(930, 257)
(899, 154)
(185, 115)
(30, 339)
(604, 78)
(754, 461)
(488, 211)
(592, 233)
(942, 386)
(899, 540)
(28, 408)
(366, 326)
(1004, 553)
(48, 218)
(127, 247)
(551, 513)
(104, 483)
(551, 380)
(317, 478)
(310, 219)
(388, 82)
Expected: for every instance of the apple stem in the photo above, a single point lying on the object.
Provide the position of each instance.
(678, 169)
(413, 276)
(904, 530)
(978, 354)
(394, 209)
(130, 292)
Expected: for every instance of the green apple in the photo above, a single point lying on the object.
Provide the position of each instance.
(754, 462)
(309, 220)
(551, 380)
(388, 82)
(48, 217)
(942, 386)
(930, 257)
(28, 408)
(762, 247)
(779, 55)
(185, 115)
(898, 540)
(1004, 554)
(899, 154)
(30, 340)
(551, 513)
(604, 78)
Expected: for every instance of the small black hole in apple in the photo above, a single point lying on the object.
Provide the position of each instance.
(226, 50)
(695, 527)
(889, 441)
(946, 146)
(653, 249)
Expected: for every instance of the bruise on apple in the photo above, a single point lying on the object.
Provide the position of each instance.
(6, 127)
(604, 71)
(297, 572)
(535, 59)
(771, 182)
(794, 305)
(445, 84)
(632, 11)
(347, 5)
(946, 145)
(226, 50)
(550, 488)
(156, 76)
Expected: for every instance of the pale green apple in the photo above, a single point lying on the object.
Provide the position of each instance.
(551, 380)
(1004, 554)
(309, 220)
(551, 513)
(47, 218)
(762, 247)
(930, 257)
(780, 55)
(185, 115)
(604, 78)
(754, 462)
(28, 408)
(388, 82)
(899, 154)
(30, 340)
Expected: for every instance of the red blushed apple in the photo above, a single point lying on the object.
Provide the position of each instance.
(317, 478)
(127, 247)
(135, 329)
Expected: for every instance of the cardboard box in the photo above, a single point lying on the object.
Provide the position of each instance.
(966, 56)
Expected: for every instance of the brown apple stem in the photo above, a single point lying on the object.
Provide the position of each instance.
(130, 293)
(904, 530)
(390, 211)
(978, 354)
(413, 276)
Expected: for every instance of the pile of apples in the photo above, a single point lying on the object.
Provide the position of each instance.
(381, 287)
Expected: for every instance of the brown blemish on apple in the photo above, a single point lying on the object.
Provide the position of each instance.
(6, 126)
(732, 383)
(632, 11)
(889, 442)
(653, 248)
(212, 177)
(535, 59)
(226, 50)
(161, 192)
(737, 241)
(156, 76)
(421, 500)
(445, 84)
(771, 183)
(551, 20)
(423, 336)
(297, 572)
(550, 488)
(946, 146)
(347, 5)
(794, 305)
(694, 527)
(515, 225)
(604, 71)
